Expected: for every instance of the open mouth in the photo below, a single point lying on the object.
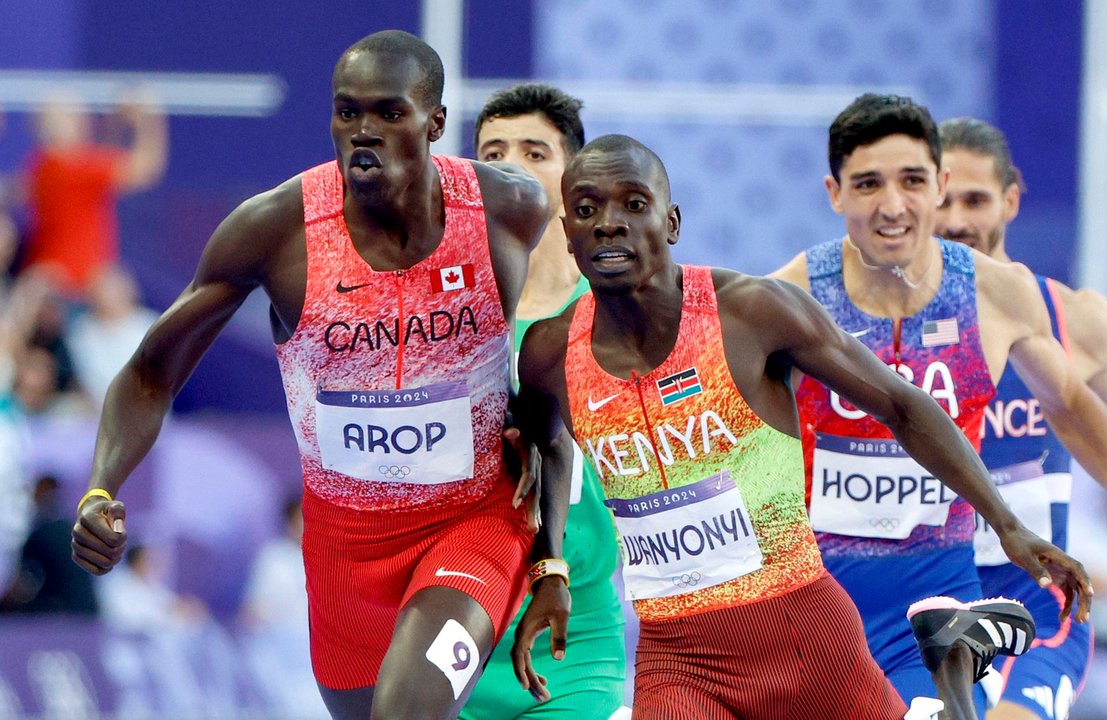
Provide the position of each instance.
(612, 259)
(892, 233)
(364, 161)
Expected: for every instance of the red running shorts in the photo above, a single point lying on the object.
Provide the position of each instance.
(363, 566)
(798, 656)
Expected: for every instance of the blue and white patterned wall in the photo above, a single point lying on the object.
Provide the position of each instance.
(752, 194)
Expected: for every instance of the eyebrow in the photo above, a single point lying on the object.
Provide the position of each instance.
(584, 186)
(524, 141)
(394, 100)
(874, 173)
(864, 175)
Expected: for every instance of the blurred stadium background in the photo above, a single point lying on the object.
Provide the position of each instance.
(734, 95)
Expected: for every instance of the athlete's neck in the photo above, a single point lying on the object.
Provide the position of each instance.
(552, 276)
(892, 291)
(395, 231)
(637, 330)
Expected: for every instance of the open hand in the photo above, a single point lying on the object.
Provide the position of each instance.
(549, 608)
(1049, 565)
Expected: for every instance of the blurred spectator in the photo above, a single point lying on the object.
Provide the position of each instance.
(48, 580)
(16, 518)
(276, 594)
(19, 304)
(9, 243)
(135, 597)
(106, 335)
(38, 389)
(275, 615)
(73, 183)
(44, 380)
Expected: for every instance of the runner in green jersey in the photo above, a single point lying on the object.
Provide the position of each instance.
(538, 127)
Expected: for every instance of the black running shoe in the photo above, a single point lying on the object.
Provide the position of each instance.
(990, 627)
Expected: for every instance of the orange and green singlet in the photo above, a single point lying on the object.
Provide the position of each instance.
(708, 498)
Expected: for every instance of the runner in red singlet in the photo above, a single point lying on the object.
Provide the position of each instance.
(675, 381)
(393, 278)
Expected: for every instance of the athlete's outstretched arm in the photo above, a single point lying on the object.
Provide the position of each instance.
(143, 391)
(822, 350)
(541, 373)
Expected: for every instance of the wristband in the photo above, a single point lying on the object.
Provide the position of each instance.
(95, 492)
(545, 568)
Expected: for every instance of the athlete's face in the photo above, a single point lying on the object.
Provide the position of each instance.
(977, 207)
(533, 143)
(618, 218)
(380, 126)
(889, 193)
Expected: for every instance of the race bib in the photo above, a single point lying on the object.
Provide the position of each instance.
(866, 487)
(418, 435)
(1025, 489)
(685, 539)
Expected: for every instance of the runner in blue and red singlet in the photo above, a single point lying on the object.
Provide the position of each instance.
(947, 320)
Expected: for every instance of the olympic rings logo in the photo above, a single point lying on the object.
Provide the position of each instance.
(394, 472)
(687, 579)
(884, 523)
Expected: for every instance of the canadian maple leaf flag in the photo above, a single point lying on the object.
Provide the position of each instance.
(454, 277)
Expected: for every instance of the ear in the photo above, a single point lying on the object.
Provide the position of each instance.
(834, 193)
(943, 182)
(565, 229)
(1012, 199)
(436, 123)
(673, 222)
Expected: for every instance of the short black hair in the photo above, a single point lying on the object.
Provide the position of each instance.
(984, 139)
(606, 144)
(560, 108)
(397, 42)
(871, 118)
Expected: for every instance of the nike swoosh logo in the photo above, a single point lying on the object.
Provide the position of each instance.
(594, 406)
(443, 572)
(859, 333)
(350, 288)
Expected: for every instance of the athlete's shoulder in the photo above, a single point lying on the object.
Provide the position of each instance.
(767, 304)
(509, 186)
(998, 280)
(255, 235)
(542, 354)
(794, 271)
(1085, 313)
(514, 203)
(279, 209)
(551, 333)
(1084, 301)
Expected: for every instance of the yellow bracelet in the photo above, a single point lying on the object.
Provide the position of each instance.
(95, 492)
(545, 568)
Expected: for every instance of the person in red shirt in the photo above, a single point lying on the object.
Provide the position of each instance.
(73, 183)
